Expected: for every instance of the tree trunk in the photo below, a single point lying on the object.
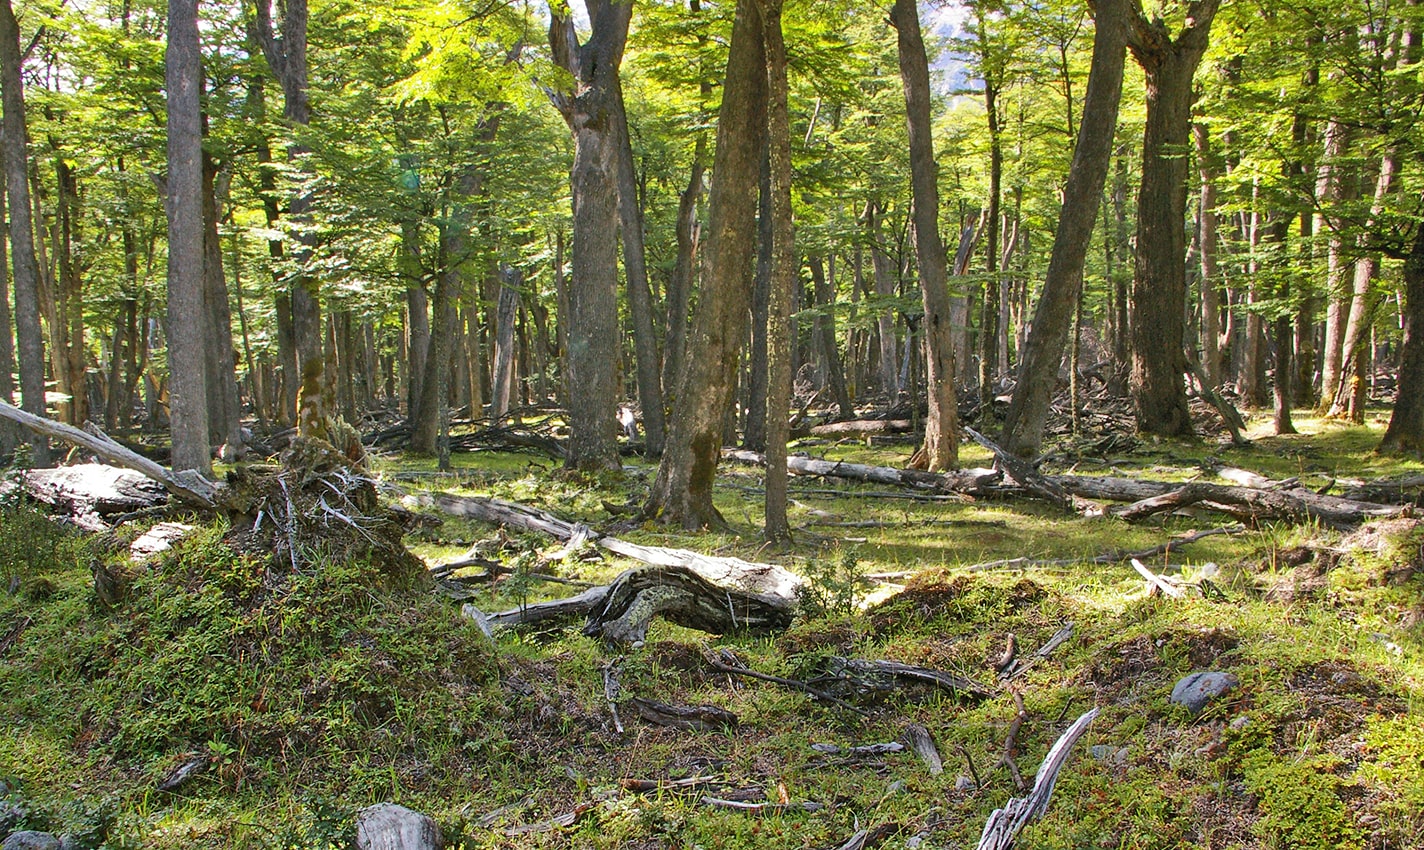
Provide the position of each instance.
(1207, 239)
(1159, 287)
(186, 330)
(825, 332)
(682, 493)
(1405, 435)
(1330, 190)
(941, 444)
(425, 429)
(1350, 389)
(679, 288)
(593, 299)
(224, 405)
(989, 314)
(510, 281)
(781, 337)
(29, 336)
(640, 298)
(1042, 352)
(754, 427)
(885, 285)
(69, 296)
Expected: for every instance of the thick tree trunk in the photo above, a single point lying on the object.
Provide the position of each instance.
(69, 297)
(188, 403)
(682, 493)
(1042, 352)
(510, 281)
(1159, 287)
(1405, 435)
(590, 112)
(781, 338)
(417, 318)
(941, 444)
(15, 151)
(425, 429)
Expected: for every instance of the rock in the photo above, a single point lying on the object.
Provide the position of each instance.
(964, 783)
(10, 815)
(387, 826)
(28, 839)
(1196, 690)
(1110, 754)
(1240, 723)
(159, 538)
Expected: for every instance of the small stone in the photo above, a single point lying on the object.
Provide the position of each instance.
(1240, 723)
(10, 814)
(1110, 754)
(1196, 690)
(1101, 751)
(28, 839)
(964, 783)
(387, 826)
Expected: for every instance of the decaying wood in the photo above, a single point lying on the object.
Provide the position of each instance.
(922, 742)
(965, 481)
(761, 808)
(699, 718)
(1011, 742)
(1005, 824)
(647, 785)
(1022, 472)
(1296, 504)
(1023, 665)
(1156, 582)
(612, 689)
(562, 821)
(861, 676)
(1229, 415)
(724, 661)
(187, 484)
(93, 493)
(862, 428)
(872, 837)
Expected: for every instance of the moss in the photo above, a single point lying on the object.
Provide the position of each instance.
(1299, 803)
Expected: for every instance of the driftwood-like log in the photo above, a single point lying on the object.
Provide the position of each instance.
(683, 596)
(698, 718)
(1296, 505)
(862, 428)
(1004, 825)
(91, 493)
(860, 676)
(966, 481)
(188, 485)
(1023, 473)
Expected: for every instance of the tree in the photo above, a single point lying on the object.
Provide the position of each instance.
(186, 335)
(15, 149)
(784, 275)
(591, 111)
(941, 444)
(1159, 287)
(1053, 318)
(682, 493)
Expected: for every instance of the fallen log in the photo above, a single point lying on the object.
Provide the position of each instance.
(862, 428)
(861, 676)
(91, 493)
(697, 718)
(1022, 473)
(187, 484)
(966, 481)
(1295, 505)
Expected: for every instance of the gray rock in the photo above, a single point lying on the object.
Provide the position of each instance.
(10, 814)
(1110, 754)
(1196, 690)
(964, 783)
(1240, 723)
(387, 826)
(28, 839)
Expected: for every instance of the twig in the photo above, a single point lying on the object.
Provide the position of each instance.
(1017, 669)
(790, 683)
(761, 808)
(1011, 742)
(969, 760)
(611, 690)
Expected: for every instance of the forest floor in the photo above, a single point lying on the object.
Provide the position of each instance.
(306, 696)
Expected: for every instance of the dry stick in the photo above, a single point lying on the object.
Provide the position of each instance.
(1011, 742)
(611, 689)
(1004, 824)
(760, 808)
(1014, 670)
(969, 760)
(188, 485)
(1105, 558)
(1157, 582)
(790, 683)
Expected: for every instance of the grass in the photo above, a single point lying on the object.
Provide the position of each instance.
(318, 693)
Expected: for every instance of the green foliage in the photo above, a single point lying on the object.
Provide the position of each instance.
(31, 544)
(1299, 803)
(834, 585)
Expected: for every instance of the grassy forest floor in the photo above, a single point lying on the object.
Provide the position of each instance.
(311, 695)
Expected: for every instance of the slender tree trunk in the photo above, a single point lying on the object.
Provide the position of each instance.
(1330, 190)
(187, 345)
(682, 493)
(1210, 295)
(1042, 352)
(69, 295)
(781, 338)
(1159, 283)
(825, 333)
(989, 315)
(224, 404)
(417, 318)
(941, 444)
(1350, 390)
(885, 286)
(679, 289)
(510, 281)
(640, 299)
(754, 426)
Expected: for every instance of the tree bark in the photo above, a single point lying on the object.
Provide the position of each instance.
(510, 280)
(15, 145)
(682, 493)
(1042, 353)
(1207, 240)
(1159, 287)
(825, 332)
(754, 425)
(1348, 401)
(679, 288)
(1330, 190)
(1405, 434)
(187, 343)
(224, 404)
(591, 114)
(885, 285)
(781, 337)
(941, 444)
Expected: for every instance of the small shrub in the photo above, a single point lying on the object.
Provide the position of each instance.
(1299, 804)
(833, 586)
(30, 543)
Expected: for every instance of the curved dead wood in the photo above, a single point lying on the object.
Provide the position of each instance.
(1295, 505)
(188, 485)
(1023, 473)
(682, 596)
(1004, 825)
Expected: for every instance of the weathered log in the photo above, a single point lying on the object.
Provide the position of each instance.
(1296, 505)
(862, 428)
(698, 718)
(967, 481)
(1022, 472)
(860, 676)
(1005, 824)
(922, 742)
(683, 596)
(186, 484)
(94, 490)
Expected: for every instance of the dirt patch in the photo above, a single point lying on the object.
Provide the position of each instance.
(1336, 701)
(840, 636)
(681, 662)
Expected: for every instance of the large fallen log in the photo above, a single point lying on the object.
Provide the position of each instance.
(862, 428)
(188, 485)
(92, 492)
(1295, 505)
(1022, 473)
(967, 481)
(705, 592)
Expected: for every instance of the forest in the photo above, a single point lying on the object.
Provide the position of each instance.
(712, 423)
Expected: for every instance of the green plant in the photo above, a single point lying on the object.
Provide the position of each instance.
(833, 586)
(1299, 803)
(29, 542)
